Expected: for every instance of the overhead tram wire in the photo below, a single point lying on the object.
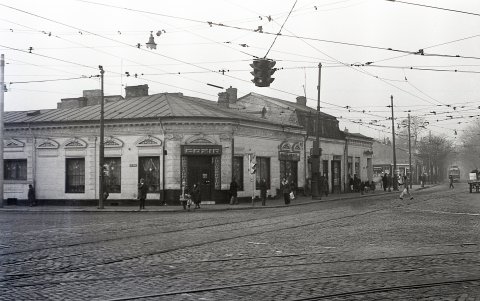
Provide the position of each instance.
(49, 57)
(134, 46)
(436, 7)
(279, 32)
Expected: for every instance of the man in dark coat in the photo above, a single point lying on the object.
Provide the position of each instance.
(142, 193)
(385, 182)
(31, 195)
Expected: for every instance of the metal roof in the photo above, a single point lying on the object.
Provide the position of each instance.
(145, 107)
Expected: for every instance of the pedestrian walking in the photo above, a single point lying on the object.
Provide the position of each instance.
(385, 182)
(286, 191)
(406, 190)
(263, 191)
(142, 193)
(233, 192)
(389, 182)
(451, 182)
(351, 183)
(196, 197)
(31, 196)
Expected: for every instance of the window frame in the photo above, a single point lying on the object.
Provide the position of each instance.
(261, 168)
(80, 177)
(20, 172)
(148, 179)
(114, 174)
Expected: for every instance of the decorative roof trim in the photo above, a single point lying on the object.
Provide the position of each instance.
(75, 143)
(146, 141)
(12, 143)
(112, 142)
(201, 139)
(48, 144)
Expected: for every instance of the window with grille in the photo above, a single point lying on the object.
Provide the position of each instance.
(75, 175)
(15, 169)
(113, 179)
(149, 170)
(238, 172)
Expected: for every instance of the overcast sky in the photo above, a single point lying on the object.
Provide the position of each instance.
(366, 48)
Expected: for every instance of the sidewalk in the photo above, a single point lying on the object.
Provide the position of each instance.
(275, 203)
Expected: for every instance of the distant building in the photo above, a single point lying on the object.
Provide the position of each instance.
(383, 161)
(173, 141)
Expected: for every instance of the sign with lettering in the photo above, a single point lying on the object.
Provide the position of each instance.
(201, 150)
(288, 156)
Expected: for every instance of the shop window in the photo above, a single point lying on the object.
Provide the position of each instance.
(325, 168)
(263, 171)
(75, 177)
(238, 172)
(15, 169)
(113, 179)
(149, 170)
(288, 170)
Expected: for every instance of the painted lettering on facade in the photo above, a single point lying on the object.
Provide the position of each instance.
(201, 150)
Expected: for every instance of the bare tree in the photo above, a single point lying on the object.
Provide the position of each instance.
(434, 151)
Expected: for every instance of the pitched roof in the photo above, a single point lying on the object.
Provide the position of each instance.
(146, 107)
(286, 104)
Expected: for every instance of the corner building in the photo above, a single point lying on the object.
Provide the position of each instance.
(172, 141)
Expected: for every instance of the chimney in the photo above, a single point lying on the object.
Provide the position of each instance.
(223, 99)
(136, 91)
(72, 103)
(93, 97)
(232, 95)
(302, 100)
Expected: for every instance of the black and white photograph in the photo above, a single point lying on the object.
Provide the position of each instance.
(226, 150)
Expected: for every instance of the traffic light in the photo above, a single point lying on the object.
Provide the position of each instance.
(262, 72)
(253, 164)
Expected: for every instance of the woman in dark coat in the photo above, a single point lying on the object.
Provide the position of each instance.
(286, 191)
(196, 195)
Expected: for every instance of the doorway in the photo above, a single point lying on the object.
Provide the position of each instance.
(200, 171)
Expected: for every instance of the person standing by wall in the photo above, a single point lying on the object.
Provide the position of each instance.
(142, 193)
(263, 191)
(233, 192)
(31, 195)
(286, 191)
(196, 195)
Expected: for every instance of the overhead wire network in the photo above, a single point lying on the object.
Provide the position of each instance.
(280, 90)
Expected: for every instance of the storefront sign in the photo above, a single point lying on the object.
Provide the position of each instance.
(288, 156)
(201, 150)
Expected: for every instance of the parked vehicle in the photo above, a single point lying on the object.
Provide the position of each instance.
(474, 180)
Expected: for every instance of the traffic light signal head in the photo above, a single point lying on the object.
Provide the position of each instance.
(253, 164)
(262, 72)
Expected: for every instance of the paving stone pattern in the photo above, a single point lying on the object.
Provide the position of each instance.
(374, 248)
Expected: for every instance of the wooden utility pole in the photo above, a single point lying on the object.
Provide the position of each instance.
(2, 92)
(102, 146)
(409, 152)
(317, 151)
(394, 175)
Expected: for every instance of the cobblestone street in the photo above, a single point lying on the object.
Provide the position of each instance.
(376, 247)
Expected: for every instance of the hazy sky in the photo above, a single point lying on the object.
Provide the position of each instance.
(366, 48)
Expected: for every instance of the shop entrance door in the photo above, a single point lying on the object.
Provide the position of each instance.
(200, 171)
